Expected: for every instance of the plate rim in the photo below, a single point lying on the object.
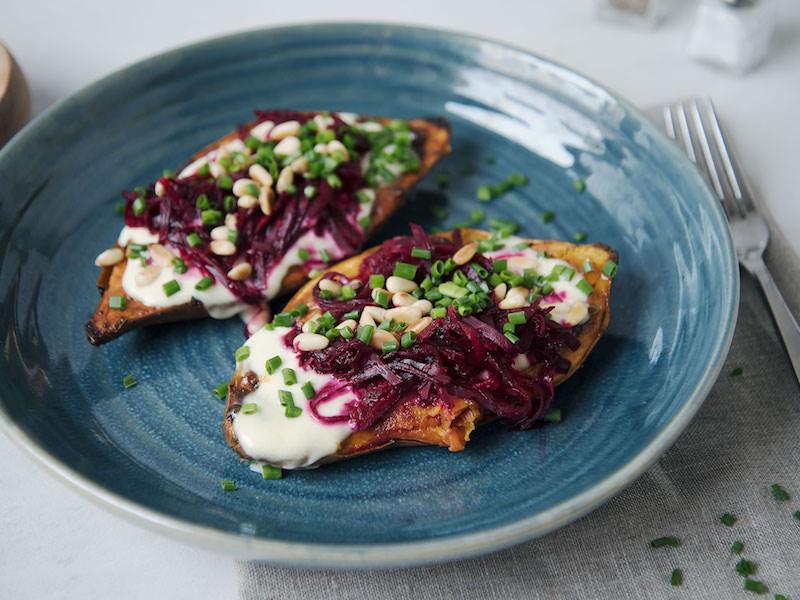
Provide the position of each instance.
(418, 552)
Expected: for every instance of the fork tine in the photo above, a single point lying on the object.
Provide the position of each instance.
(683, 127)
(669, 124)
(738, 184)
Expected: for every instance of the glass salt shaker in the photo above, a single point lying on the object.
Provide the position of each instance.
(732, 34)
(646, 13)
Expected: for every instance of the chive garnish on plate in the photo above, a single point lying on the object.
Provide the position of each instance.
(129, 381)
(669, 540)
(728, 519)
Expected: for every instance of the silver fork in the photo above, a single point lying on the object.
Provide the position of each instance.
(695, 126)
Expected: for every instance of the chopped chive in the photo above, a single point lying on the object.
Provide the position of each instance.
(310, 191)
(225, 182)
(242, 353)
(308, 390)
(139, 206)
(420, 253)
(579, 236)
(283, 319)
(796, 515)
(289, 376)
(178, 265)
(202, 202)
(129, 381)
(228, 485)
(476, 216)
(389, 347)
(205, 283)
(548, 216)
(211, 217)
(347, 332)
(780, 597)
(273, 364)
(452, 290)
(511, 337)
(347, 293)
(220, 391)
(780, 494)
(661, 542)
(517, 179)
(728, 519)
(364, 334)
(353, 314)
(676, 578)
(737, 371)
(585, 287)
(439, 312)
(408, 339)
(381, 297)
(117, 302)
(745, 567)
(193, 240)
(249, 408)
(484, 193)
(610, 269)
(171, 287)
(517, 318)
(167, 173)
(120, 209)
(377, 281)
(579, 184)
(303, 254)
(553, 416)
(334, 181)
(737, 547)
(405, 270)
(229, 203)
(325, 255)
(751, 585)
(299, 311)
(363, 197)
(499, 266)
(270, 472)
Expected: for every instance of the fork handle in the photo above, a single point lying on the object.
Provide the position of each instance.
(787, 325)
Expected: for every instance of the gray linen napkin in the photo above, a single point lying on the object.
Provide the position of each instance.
(745, 437)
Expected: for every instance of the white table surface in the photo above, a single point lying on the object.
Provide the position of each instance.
(58, 545)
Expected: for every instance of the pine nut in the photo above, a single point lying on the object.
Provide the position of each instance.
(465, 253)
(299, 165)
(523, 292)
(403, 314)
(369, 193)
(147, 275)
(216, 170)
(109, 257)
(247, 202)
(512, 302)
(265, 200)
(313, 316)
(331, 286)
(366, 318)
(578, 314)
(160, 191)
(241, 271)
(230, 221)
(398, 284)
(260, 175)
(351, 323)
(323, 122)
(424, 306)
(500, 291)
(220, 233)
(222, 247)
(261, 131)
(520, 362)
(403, 299)
(381, 337)
(518, 264)
(308, 342)
(321, 148)
(242, 186)
(420, 325)
(287, 147)
(284, 130)
(376, 312)
(337, 146)
(285, 180)
(160, 254)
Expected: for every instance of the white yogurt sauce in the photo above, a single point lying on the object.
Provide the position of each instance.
(309, 241)
(570, 303)
(270, 436)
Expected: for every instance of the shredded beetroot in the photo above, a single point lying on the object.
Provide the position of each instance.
(455, 356)
(262, 240)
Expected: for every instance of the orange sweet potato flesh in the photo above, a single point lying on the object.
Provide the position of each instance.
(433, 143)
(449, 426)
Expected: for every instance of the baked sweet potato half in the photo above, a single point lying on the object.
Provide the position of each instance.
(263, 209)
(449, 419)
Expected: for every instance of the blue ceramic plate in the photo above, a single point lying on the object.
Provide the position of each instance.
(155, 453)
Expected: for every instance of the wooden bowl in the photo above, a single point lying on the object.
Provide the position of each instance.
(15, 100)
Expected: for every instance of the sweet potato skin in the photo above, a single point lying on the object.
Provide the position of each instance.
(433, 135)
(441, 426)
